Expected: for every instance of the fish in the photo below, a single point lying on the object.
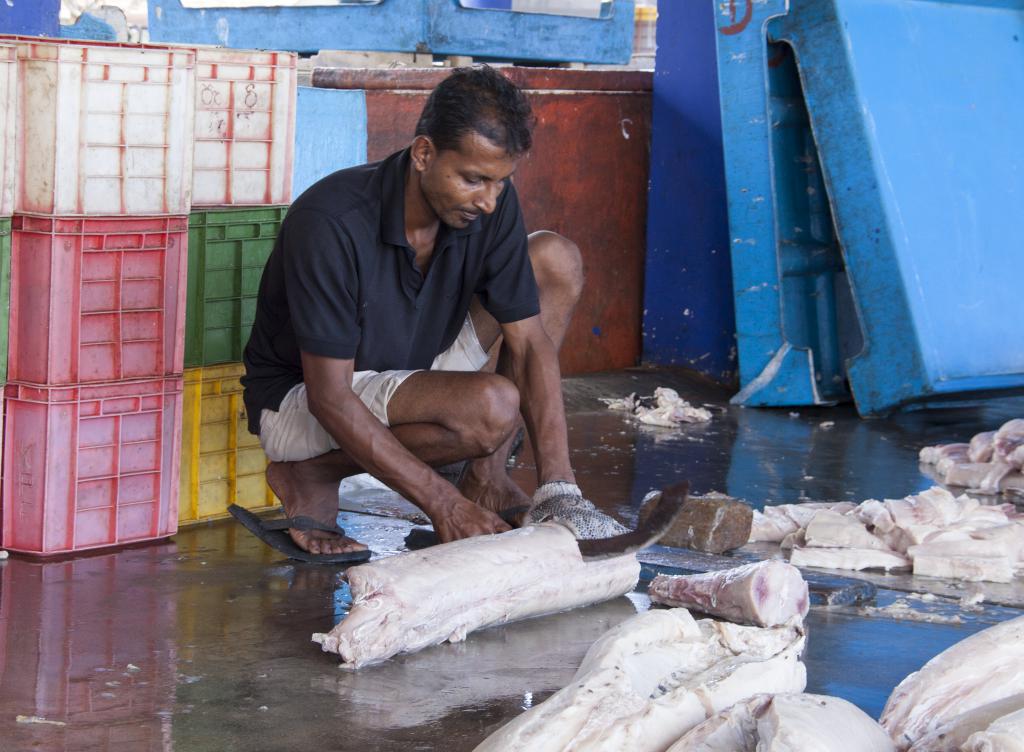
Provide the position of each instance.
(952, 735)
(788, 723)
(848, 558)
(651, 679)
(413, 600)
(978, 670)
(1005, 734)
(765, 594)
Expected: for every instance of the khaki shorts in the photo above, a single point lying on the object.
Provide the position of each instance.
(291, 433)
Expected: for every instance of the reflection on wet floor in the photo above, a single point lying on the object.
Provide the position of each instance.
(202, 643)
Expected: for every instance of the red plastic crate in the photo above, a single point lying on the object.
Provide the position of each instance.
(90, 466)
(96, 300)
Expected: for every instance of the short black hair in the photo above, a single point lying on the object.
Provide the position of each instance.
(479, 99)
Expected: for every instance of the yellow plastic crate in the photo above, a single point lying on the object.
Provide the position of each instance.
(221, 462)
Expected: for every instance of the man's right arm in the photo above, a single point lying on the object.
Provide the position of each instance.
(374, 448)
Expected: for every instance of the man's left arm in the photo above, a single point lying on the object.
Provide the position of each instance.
(532, 364)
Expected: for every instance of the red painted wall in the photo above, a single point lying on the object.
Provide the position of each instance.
(586, 178)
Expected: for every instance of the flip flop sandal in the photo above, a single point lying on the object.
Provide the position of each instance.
(275, 534)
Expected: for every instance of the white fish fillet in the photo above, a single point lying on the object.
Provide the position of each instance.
(766, 593)
(788, 723)
(406, 602)
(980, 669)
(1007, 440)
(932, 455)
(828, 529)
(776, 522)
(653, 678)
(848, 558)
(1004, 735)
(951, 736)
(981, 447)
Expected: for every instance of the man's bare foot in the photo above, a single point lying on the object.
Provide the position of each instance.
(493, 491)
(305, 491)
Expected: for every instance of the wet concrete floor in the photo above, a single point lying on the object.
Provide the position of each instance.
(202, 643)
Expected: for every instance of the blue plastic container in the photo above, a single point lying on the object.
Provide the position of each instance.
(789, 285)
(330, 134)
(440, 26)
(912, 107)
(917, 109)
(30, 17)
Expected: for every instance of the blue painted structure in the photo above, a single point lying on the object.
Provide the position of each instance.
(30, 17)
(330, 134)
(89, 27)
(926, 177)
(688, 317)
(438, 26)
(788, 280)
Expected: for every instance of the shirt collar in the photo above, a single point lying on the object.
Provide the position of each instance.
(392, 202)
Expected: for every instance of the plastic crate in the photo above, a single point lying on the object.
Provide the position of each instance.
(8, 126)
(221, 462)
(227, 252)
(97, 300)
(245, 127)
(105, 129)
(5, 292)
(90, 466)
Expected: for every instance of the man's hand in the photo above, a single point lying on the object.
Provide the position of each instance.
(464, 519)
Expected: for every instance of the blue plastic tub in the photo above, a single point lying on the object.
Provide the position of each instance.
(916, 110)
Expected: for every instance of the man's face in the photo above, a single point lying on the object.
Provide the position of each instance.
(461, 184)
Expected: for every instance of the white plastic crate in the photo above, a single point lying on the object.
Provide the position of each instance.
(105, 129)
(245, 127)
(8, 126)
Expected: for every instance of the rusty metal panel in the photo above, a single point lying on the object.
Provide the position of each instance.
(586, 178)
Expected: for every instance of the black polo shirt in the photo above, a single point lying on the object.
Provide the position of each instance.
(342, 282)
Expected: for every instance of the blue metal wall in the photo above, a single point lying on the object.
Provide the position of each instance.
(32, 17)
(330, 134)
(688, 317)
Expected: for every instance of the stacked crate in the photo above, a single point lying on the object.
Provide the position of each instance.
(244, 146)
(93, 402)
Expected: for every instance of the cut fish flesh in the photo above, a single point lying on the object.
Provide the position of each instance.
(828, 529)
(934, 454)
(412, 600)
(1004, 735)
(653, 678)
(788, 723)
(766, 594)
(951, 736)
(1007, 440)
(967, 568)
(978, 670)
(776, 522)
(981, 447)
(848, 558)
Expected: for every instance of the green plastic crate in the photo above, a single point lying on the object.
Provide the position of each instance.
(5, 292)
(227, 250)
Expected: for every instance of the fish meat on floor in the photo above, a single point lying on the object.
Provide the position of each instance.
(986, 667)
(765, 594)
(952, 735)
(990, 464)
(933, 533)
(788, 723)
(412, 600)
(666, 408)
(651, 679)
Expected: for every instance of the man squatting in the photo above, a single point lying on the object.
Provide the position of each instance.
(389, 285)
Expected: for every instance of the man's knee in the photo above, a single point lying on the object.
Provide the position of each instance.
(496, 410)
(557, 263)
